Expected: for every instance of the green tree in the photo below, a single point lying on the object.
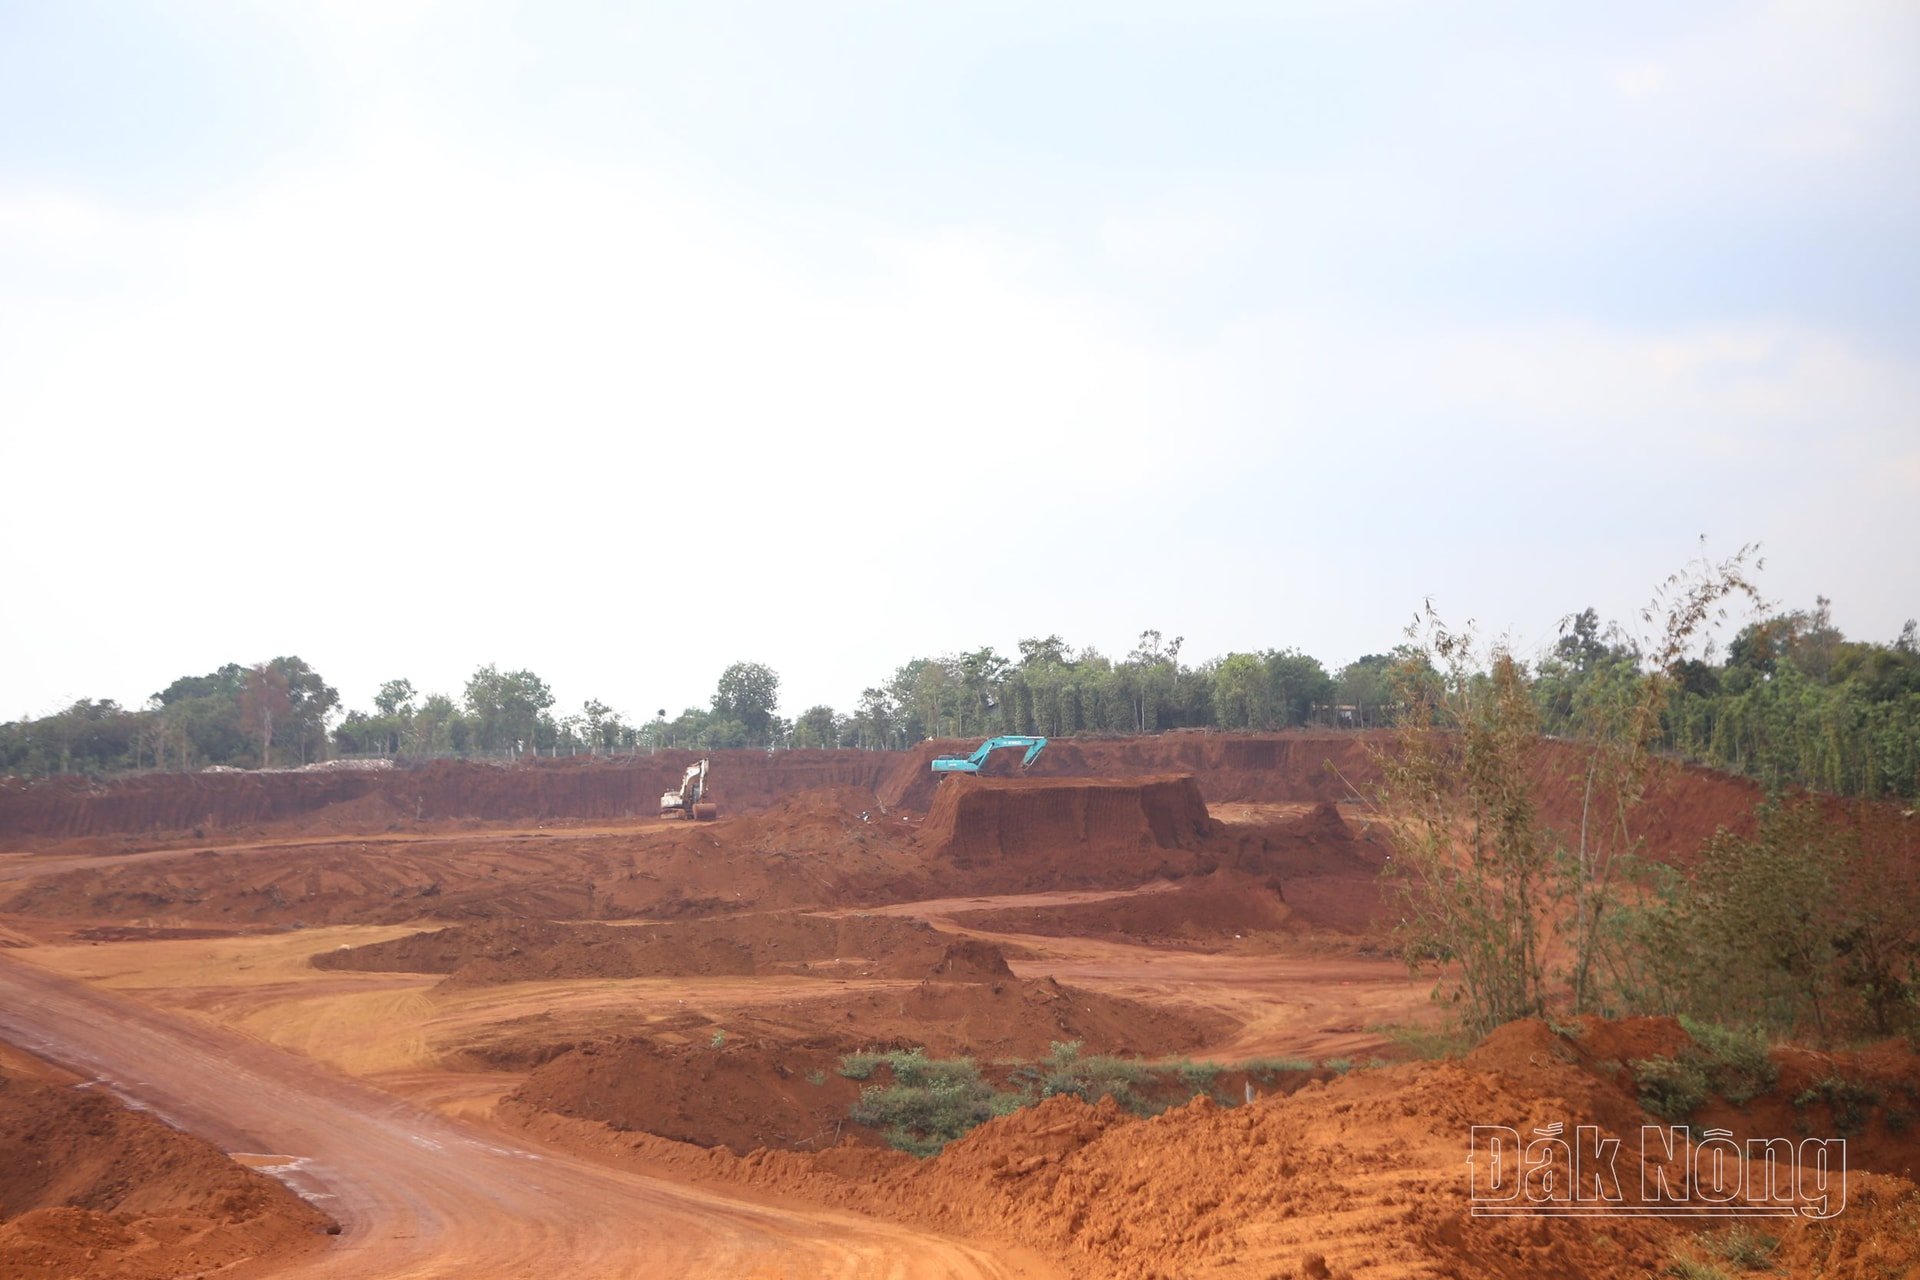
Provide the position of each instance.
(395, 699)
(509, 709)
(265, 705)
(1240, 692)
(817, 727)
(748, 694)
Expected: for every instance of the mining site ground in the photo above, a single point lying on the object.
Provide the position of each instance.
(493, 1022)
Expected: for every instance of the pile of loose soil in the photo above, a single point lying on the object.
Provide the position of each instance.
(740, 1096)
(89, 1188)
(770, 1076)
(1363, 1175)
(1064, 831)
(786, 942)
(1010, 1018)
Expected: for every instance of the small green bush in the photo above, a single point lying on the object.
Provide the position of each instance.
(930, 1102)
(1850, 1102)
(1672, 1088)
(1339, 1066)
(1426, 1043)
(1736, 1062)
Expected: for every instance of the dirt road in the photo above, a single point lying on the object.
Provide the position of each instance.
(420, 1195)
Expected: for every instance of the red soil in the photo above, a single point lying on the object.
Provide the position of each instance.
(738, 1096)
(769, 1077)
(1684, 805)
(1073, 830)
(89, 1188)
(773, 943)
(1363, 1175)
(1206, 914)
(579, 787)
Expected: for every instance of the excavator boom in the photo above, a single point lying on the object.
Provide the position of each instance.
(972, 763)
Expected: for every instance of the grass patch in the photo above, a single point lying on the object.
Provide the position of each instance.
(1693, 1269)
(1426, 1043)
(1742, 1246)
(1266, 1069)
(1195, 1076)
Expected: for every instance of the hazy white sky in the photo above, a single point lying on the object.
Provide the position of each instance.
(623, 341)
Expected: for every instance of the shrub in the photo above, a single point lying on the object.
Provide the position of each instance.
(1850, 1102)
(930, 1102)
(1672, 1088)
(1735, 1062)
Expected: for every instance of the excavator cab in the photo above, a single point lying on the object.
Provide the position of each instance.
(690, 800)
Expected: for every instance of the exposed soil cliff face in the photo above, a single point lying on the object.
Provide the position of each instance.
(577, 787)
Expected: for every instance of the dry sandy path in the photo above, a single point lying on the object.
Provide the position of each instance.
(421, 1195)
(23, 865)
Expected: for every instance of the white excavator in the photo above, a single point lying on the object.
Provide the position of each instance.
(690, 801)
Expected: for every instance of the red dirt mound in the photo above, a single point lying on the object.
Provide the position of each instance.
(1363, 1176)
(739, 1096)
(1208, 914)
(1291, 768)
(89, 1188)
(1071, 831)
(1010, 1018)
(774, 943)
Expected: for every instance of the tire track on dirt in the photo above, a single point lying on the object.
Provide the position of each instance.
(420, 1195)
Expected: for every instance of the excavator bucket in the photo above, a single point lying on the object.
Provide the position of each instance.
(705, 812)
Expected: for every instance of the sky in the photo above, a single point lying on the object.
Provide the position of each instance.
(621, 342)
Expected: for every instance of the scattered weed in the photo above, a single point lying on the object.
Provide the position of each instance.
(1742, 1246)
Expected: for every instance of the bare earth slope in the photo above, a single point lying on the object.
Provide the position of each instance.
(420, 1195)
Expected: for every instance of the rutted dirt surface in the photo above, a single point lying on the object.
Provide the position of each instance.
(420, 1195)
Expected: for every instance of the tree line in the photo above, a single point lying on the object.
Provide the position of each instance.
(1791, 701)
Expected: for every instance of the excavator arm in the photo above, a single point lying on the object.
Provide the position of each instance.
(972, 763)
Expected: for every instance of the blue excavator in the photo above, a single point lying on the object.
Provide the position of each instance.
(972, 763)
